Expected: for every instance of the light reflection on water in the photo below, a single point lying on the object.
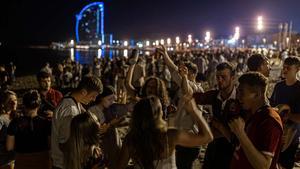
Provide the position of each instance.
(86, 56)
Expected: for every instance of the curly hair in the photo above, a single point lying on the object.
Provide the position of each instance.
(161, 90)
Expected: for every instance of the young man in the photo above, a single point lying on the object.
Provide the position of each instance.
(260, 136)
(259, 63)
(49, 96)
(288, 92)
(219, 151)
(87, 91)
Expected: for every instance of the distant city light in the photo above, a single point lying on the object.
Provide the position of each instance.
(243, 41)
(154, 44)
(147, 43)
(207, 36)
(275, 43)
(298, 40)
(125, 43)
(169, 41)
(99, 53)
(82, 46)
(72, 54)
(260, 24)
(162, 41)
(147, 53)
(236, 35)
(190, 38)
(287, 40)
(177, 40)
(140, 45)
(125, 53)
(99, 42)
(72, 42)
(264, 40)
(157, 42)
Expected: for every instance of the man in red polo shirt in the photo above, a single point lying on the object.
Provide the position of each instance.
(260, 136)
(50, 97)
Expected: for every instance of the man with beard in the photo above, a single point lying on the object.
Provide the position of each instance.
(219, 151)
(49, 96)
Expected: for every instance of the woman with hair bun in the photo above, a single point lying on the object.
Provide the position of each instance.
(29, 134)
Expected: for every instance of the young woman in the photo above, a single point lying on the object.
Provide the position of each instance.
(110, 115)
(8, 107)
(150, 144)
(82, 151)
(29, 135)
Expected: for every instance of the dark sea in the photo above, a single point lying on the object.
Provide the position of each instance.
(31, 59)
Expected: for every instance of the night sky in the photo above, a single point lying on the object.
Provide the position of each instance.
(40, 21)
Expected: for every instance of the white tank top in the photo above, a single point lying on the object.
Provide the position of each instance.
(166, 163)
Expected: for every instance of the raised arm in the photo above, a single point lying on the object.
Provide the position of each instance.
(128, 82)
(185, 87)
(204, 136)
(162, 50)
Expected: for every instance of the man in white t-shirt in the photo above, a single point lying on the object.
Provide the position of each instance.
(70, 106)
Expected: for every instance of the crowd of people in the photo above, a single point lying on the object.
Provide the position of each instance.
(169, 104)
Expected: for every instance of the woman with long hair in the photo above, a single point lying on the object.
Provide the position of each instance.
(149, 142)
(111, 115)
(82, 151)
(152, 86)
(8, 108)
(29, 135)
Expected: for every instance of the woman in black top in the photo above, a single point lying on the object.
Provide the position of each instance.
(29, 135)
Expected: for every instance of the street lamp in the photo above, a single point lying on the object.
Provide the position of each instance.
(125, 43)
(177, 39)
(207, 36)
(99, 42)
(260, 24)
(190, 38)
(287, 41)
(237, 33)
(72, 43)
(147, 43)
(169, 41)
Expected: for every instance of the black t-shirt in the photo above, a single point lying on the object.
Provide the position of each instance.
(284, 94)
(31, 134)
